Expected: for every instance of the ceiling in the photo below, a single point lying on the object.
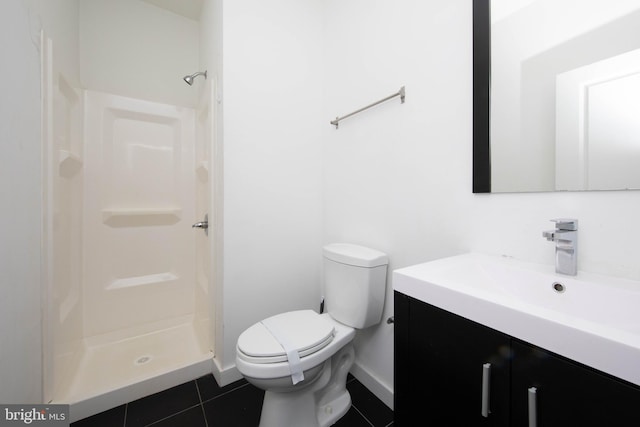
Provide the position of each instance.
(187, 8)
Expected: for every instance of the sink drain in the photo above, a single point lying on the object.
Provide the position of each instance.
(142, 360)
(558, 287)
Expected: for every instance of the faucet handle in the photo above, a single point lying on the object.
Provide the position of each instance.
(568, 224)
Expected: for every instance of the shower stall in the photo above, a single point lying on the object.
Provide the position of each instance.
(129, 300)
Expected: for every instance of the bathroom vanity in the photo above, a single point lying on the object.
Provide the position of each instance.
(478, 356)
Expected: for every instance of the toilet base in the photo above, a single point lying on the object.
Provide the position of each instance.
(320, 404)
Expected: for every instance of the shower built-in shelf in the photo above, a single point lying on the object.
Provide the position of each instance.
(202, 171)
(149, 279)
(140, 217)
(69, 163)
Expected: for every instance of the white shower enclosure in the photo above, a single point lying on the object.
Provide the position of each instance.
(139, 201)
(129, 304)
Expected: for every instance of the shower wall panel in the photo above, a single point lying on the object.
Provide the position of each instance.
(62, 169)
(205, 304)
(67, 234)
(139, 207)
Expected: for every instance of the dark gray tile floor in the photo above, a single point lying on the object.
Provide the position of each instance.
(202, 403)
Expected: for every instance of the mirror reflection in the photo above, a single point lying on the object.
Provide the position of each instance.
(565, 95)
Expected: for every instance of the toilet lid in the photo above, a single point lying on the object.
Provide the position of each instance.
(305, 331)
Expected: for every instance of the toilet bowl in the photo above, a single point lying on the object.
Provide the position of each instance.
(316, 401)
(301, 358)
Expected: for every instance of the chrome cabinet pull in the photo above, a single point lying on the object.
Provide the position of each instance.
(486, 376)
(533, 407)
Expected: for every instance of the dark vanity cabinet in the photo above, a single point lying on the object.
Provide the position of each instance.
(440, 362)
(452, 371)
(568, 393)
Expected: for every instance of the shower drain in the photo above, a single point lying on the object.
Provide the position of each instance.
(142, 360)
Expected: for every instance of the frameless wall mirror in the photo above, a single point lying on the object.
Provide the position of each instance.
(556, 95)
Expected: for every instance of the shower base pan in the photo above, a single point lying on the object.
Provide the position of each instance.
(113, 372)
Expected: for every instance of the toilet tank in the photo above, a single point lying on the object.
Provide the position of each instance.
(355, 278)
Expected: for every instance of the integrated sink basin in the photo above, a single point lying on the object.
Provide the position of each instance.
(590, 318)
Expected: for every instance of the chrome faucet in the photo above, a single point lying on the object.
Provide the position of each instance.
(566, 237)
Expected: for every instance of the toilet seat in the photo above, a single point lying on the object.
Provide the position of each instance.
(343, 334)
(306, 331)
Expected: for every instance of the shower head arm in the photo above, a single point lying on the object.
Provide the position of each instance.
(189, 79)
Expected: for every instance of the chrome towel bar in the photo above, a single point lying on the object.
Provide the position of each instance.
(400, 93)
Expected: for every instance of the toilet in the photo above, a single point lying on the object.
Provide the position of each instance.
(301, 358)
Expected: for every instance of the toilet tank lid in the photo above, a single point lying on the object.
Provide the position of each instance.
(350, 254)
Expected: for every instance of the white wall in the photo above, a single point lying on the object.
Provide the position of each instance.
(135, 49)
(59, 18)
(20, 186)
(20, 317)
(398, 178)
(271, 95)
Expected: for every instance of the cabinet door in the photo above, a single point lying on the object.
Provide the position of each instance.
(444, 365)
(568, 393)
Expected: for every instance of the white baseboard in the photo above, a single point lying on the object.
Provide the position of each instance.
(373, 384)
(225, 376)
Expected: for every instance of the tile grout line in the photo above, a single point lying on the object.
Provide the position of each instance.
(362, 415)
(238, 388)
(173, 415)
(225, 393)
(206, 423)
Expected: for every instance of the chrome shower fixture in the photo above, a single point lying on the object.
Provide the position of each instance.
(189, 79)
